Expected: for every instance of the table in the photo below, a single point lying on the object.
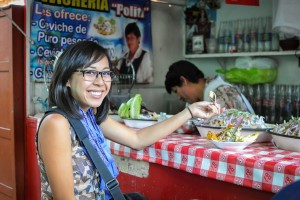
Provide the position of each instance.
(260, 167)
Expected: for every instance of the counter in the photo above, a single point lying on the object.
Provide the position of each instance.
(188, 167)
(260, 169)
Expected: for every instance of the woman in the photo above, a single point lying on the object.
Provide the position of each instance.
(80, 86)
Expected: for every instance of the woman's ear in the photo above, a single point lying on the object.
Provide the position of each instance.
(68, 83)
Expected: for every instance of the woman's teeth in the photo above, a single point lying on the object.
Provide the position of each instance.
(96, 93)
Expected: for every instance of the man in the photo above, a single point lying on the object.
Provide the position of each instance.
(185, 79)
(136, 58)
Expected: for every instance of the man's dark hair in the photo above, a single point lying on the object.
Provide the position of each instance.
(132, 28)
(182, 68)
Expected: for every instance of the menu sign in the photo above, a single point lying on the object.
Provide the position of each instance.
(56, 24)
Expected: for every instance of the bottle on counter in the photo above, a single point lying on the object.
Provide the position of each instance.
(271, 109)
(287, 114)
(265, 102)
(257, 104)
(280, 103)
(296, 101)
(243, 89)
(250, 94)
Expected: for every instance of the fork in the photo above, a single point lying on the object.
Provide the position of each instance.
(213, 97)
(238, 123)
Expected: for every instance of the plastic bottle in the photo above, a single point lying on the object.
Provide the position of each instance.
(253, 35)
(274, 40)
(260, 35)
(212, 29)
(227, 36)
(268, 34)
(265, 102)
(296, 101)
(221, 38)
(250, 94)
(272, 104)
(246, 35)
(239, 35)
(280, 103)
(257, 106)
(232, 41)
(288, 103)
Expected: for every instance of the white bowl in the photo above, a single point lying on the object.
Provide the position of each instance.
(263, 136)
(286, 142)
(116, 117)
(230, 145)
(139, 123)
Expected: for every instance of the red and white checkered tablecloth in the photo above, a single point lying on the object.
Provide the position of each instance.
(261, 165)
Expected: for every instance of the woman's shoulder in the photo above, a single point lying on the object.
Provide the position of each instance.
(54, 118)
(54, 122)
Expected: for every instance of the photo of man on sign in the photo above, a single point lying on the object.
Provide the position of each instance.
(136, 61)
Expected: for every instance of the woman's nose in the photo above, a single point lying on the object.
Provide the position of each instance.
(99, 79)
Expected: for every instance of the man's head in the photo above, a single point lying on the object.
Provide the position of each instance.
(185, 79)
(133, 36)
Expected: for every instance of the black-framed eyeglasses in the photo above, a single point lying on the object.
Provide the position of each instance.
(92, 75)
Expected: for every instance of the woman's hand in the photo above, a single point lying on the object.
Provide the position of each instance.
(205, 110)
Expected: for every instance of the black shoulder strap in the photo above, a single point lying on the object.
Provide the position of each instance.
(111, 183)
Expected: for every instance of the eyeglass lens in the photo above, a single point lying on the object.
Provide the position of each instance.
(90, 75)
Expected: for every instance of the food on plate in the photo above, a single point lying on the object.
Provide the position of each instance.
(291, 128)
(133, 109)
(231, 116)
(226, 133)
(106, 27)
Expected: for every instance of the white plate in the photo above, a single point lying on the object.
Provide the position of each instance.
(139, 123)
(116, 117)
(286, 142)
(231, 145)
(263, 136)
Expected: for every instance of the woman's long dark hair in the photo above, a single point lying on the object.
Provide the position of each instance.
(76, 56)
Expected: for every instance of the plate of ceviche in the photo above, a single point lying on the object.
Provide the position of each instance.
(287, 135)
(251, 124)
(237, 142)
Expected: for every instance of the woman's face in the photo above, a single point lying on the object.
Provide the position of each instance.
(90, 93)
(132, 42)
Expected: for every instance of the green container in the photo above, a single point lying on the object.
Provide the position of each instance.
(248, 70)
(249, 76)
